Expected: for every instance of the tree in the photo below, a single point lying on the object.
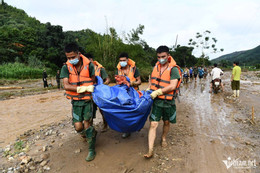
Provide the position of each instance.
(134, 36)
(205, 44)
(225, 63)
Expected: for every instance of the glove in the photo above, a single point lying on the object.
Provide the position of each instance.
(147, 89)
(83, 89)
(156, 93)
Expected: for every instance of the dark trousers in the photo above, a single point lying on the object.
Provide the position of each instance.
(58, 84)
(45, 83)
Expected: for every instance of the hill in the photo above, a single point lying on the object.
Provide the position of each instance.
(247, 57)
(24, 39)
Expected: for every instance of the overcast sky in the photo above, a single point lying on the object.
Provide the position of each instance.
(235, 23)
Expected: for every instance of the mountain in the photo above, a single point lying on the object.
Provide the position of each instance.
(247, 57)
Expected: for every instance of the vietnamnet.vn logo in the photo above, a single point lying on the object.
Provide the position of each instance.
(239, 164)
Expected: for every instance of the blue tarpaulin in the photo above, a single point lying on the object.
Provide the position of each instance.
(123, 110)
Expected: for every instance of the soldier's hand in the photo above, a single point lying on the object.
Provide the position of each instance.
(83, 89)
(156, 93)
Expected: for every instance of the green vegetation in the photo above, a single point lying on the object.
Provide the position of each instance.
(19, 71)
(18, 146)
(245, 58)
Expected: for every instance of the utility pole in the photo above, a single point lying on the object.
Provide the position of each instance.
(176, 41)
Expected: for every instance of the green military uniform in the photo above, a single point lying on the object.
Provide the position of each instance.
(81, 109)
(103, 74)
(165, 109)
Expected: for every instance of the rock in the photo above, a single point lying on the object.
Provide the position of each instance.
(26, 160)
(77, 151)
(43, 163)
(248, 143)
(60, 144)
(10, 159)
(45, 156)
(47, 168)
(30, 164)
(44, 148)
(32, 168)
(21, 154)
(38, 160)
(7, 148)
(52, 141)
(49, 147)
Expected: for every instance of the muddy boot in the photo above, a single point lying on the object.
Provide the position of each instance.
(82, 134)
(91, 139)
(237, 93)
(234, 93)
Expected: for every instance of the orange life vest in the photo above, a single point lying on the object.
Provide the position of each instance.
(131, 71)
(82, 79)
(97, 68)
(159, 80)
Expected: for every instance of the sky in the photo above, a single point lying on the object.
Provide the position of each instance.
(234, 23)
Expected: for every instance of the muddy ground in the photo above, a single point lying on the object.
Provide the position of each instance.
(36, 134)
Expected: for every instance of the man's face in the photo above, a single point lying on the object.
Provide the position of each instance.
(162, 55)
(72, 55)
(91, 60)
(122, 59)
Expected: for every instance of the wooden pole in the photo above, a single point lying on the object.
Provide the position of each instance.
(253, 115)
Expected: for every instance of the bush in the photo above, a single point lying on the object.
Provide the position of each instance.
(19, 71)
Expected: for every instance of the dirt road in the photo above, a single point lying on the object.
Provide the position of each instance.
(210, 129)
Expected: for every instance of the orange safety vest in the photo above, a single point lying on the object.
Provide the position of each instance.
(159, 80)
(130, 73)
(82, 79)
(97, 68)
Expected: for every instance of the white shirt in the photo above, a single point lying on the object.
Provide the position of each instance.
(215, 73)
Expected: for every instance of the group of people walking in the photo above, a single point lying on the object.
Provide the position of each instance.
(194, 72)
(216, 73)
(78, 75)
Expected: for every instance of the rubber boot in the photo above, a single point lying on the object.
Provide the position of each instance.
(234, 93)
(91, 139)
(237, 93)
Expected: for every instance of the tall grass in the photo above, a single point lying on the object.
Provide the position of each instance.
(19, 71)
